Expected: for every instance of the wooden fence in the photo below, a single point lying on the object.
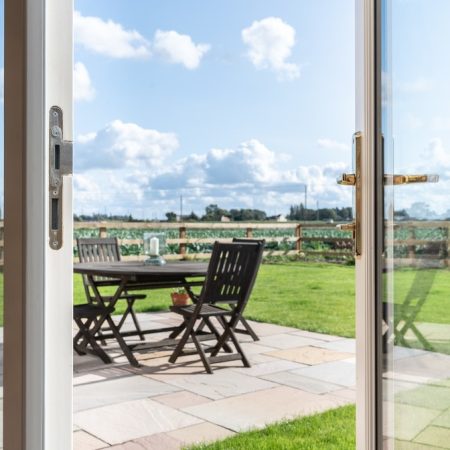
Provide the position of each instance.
(411, 237)
(294, 234)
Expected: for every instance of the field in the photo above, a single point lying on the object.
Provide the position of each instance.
(279, 234)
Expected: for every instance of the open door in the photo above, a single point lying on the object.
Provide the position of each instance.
(38, 224)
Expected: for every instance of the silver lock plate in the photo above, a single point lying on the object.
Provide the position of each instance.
(60, 164)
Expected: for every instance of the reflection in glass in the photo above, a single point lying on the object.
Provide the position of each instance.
(415, 265)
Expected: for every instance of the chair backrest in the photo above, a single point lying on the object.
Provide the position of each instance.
(262, 243)
(231, 273)
(96, 250)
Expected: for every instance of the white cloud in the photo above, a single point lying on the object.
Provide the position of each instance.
(270, 42)
(82, 85)
(124, 146)
(178, 48)
(109, 38)
(125, 168)
(331, 144)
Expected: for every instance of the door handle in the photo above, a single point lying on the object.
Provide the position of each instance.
(354, 179)
(410, 179)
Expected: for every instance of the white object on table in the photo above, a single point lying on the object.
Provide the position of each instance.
(154, 246)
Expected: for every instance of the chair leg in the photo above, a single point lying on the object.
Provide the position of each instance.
(189, 326)
(175, 333)
(216, 333)
(249, 329)
(130, 311)
(126, 350)
(239, 349)
(90, 338)
(201, 353)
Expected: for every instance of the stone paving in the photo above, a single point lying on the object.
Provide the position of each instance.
(294, 373)
(167, 406)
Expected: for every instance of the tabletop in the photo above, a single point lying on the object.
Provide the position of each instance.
(180, 269)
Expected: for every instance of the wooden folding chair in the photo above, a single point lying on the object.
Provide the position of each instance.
(89, 318)
(94, 250)
(231, 274)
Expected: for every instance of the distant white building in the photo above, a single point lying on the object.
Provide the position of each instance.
(280, 218)
(225, 219)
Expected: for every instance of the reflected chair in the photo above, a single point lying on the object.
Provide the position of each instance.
(98, 250)
(402, 316)
(231, 275)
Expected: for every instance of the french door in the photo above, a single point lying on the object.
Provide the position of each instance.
(38, 225)
(401, 231)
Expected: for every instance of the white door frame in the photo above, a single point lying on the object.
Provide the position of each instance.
(367, 336)
(38, 279)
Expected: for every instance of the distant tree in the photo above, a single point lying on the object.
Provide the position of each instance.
(213, 213)
(246, 215)
(171, 216)
(192, 217)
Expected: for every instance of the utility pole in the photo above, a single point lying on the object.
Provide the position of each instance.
(318, 213)
(306, 196)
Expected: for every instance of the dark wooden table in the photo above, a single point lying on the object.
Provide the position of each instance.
(131, 276)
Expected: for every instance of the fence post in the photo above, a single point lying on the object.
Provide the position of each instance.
(249, 233)
(182, 235)
(103, 232)
(298, 235)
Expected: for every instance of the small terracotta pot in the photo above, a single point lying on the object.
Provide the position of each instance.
(180, 299)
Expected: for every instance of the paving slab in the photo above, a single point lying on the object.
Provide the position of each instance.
(408, 420)
(309, 355)
(267, 329)
(181, 399)
(443, 420)
(341, 345)
(314, 335)
(301, 382)
(342, 373)
(131, 387)
(437, 436)
(257, 409)
(102, 374)
(201, 433)
(122, 422)
(286, 340)
(273, 366)
(427, 396)
(85, 441)
(349, 394)
(160, 441)
(224, 383)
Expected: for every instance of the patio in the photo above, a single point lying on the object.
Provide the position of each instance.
(169, 406)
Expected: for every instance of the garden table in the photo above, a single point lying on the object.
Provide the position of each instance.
(132, 276)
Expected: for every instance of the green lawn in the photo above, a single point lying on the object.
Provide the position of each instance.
(332, 430)
(311, 296)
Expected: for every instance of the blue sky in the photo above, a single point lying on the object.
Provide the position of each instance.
(243, 103)
(274, 124)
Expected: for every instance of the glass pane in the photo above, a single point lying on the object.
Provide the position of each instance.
(415, 118)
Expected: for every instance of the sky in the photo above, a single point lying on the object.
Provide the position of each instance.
(244, 103)
(236, 103)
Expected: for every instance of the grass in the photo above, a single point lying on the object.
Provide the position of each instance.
(311, 296)
(331, 430)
